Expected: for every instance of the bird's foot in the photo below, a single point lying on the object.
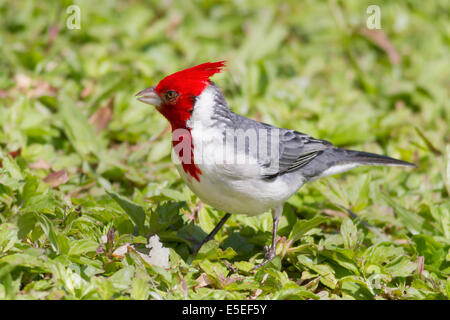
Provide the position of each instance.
(269, 255)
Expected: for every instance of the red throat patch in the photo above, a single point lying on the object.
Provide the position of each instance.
(187, 84)
(184, 138)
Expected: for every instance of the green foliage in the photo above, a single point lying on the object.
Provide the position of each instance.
(86, 176)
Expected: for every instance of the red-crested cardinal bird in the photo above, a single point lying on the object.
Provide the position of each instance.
(239, 165)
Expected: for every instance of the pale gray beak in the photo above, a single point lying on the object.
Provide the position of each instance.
(149, 96)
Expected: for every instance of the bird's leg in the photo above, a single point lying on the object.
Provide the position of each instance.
(270, 252)
(211, 235)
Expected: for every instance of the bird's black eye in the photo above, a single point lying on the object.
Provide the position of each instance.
(170, 95)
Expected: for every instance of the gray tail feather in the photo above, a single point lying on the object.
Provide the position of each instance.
(335, 160)
(366, 158)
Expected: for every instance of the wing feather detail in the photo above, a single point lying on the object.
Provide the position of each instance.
(295, 151)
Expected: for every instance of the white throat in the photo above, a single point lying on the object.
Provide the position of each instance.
(203, 109)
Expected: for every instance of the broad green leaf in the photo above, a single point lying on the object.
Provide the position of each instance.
(381, 253)
(139, 289)
(211, 251)
(326, 272)
(412, 221)
(47, 228)
(362, 195)
(12, 168)
(165, 215)
(433, 251)
(349, 233)
(77, 128)
(303, 226)
(401, 267)
(123, 278)
(356, 288)
(8, 237)
(136, 213)
(82, 246)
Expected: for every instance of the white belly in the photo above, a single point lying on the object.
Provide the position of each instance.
(234, 188)
(250, 197)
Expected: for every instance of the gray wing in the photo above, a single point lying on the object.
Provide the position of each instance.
(296, 150)
(293, 149)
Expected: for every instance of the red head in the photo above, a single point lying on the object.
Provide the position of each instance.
(174, 96)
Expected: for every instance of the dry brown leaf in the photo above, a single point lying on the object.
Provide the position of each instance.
(184, 286)
(161, 134)
(381, 40)
(57, 178)
(76, 192)
(230, 266)
(86, 92)
(14, 154)
(40, 164)
(157, 256)
(41, 88)
(121, 251)
(203, 281)
(34, 88)
(53, 32)
(23, 82)
(101, 118)
(334, 213)
(174, 22)
(420, 265)
(323, 294)
(401, 241)
(226, 281)
(255, 294)
(151, 140)
(193, 214)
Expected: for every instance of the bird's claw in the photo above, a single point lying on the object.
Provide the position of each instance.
(268, 256)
